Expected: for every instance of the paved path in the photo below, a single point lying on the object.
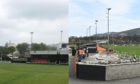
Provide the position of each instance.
(124, 81)
(73, 80)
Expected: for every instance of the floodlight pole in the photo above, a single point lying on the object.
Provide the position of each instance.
(31, 39)
(86, 32)
(89, 32)
(61, 36)
(96, 21)
(108, 9)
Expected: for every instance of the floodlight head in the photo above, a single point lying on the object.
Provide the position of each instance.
(31, 32)
(109, 8)
(96, 20)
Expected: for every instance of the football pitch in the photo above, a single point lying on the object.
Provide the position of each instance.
(16, 73)
(129, 49)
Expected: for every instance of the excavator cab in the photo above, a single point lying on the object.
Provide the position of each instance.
(93, 48)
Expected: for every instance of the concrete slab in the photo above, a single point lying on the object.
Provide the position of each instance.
(74, 80)
(124, 81)
(108, 72)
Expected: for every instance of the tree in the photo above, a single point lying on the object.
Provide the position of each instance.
(6, 44)
(11, 49)
(51, 48)
(22, 48)
(4, 51)
(41, 46)
(35, 46)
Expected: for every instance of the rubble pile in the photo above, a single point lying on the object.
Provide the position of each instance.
(112, 58)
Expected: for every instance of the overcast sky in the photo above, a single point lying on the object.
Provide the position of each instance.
(124, 15)
(46, 18)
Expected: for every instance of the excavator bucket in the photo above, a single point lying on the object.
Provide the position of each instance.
(100, 48)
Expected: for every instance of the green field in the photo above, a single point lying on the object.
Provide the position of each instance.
(11, 73)
(129, 49)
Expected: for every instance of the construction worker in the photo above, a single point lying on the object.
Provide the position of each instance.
(73, 51)
(82, 54)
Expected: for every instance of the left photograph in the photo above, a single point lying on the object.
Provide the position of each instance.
(34, 42)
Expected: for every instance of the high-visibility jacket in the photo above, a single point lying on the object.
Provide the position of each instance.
(82, 52)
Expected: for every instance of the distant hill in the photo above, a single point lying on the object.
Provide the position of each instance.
(124, 37)
(111, 34)
(131, 32)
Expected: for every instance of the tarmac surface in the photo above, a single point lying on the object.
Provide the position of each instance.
(74, 80)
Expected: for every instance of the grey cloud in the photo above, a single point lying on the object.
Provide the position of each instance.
(20, 17)
(37, 9)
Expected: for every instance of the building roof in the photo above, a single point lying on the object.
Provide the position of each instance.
(43, 52)
(53, 52)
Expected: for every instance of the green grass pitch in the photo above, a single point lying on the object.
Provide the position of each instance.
(12, 73)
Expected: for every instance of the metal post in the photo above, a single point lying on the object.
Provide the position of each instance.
(61, 36)
(1, 56)
(108, 9)
(31, 39)
(96, 29)
(89, 32)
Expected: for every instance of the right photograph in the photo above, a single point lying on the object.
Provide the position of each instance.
(104, 41)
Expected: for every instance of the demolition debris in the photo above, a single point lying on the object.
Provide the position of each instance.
(113, 58)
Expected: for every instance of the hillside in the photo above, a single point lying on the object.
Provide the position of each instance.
(124, 37)
(131, 32)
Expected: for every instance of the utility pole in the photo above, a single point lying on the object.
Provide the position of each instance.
(108, 9)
